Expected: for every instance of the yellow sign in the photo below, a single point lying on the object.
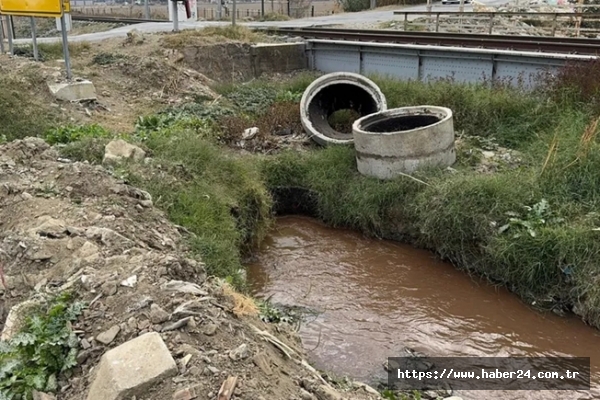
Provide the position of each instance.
(32, 8)
(67, 6)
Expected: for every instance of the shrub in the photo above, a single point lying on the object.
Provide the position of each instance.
(73, 133)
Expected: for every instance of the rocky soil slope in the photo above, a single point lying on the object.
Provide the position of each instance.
(74, 225)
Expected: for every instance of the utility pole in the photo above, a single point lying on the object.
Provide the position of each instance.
(147, 9)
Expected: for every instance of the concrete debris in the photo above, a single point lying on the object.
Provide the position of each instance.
(132, 368)
(14, 320)
(42, 396)
(74, 91)
(240, 352)
(250, 133)
(119, 150)
(107, 337)
(157, 314)
(129, 282)
(184, 287)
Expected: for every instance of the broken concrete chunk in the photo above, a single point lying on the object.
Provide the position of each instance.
(183, 287)
(132, 368)
(157, 314)
(74, 91)
(52, 228)
(327, 393)
(250, 133)
(16, 316)
(119, 150)
(108, 336)
(240, 352)
(42, 396)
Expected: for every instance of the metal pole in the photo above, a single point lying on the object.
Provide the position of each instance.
(262, 8)
(34, 39)
(462, 6)
(147, 9)
(233, 14)
(63, 25)
(1, 35)
(175, 16)
(9, 27)
(219, 9)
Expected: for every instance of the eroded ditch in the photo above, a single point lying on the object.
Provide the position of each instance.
(375, 298)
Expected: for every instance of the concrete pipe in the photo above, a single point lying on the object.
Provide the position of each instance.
(402, 140)
(334, 92)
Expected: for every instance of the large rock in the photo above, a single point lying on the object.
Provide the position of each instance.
(132, 368)
(119, 150)
(74, 91)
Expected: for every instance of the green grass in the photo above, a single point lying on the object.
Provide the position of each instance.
(20, 114)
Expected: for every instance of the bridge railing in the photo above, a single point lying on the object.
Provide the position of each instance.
(569, 24)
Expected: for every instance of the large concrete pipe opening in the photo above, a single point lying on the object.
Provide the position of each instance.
(403, 140)
(334, 92)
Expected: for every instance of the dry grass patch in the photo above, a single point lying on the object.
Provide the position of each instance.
(211, 35)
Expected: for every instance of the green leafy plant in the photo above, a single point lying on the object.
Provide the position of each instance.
(44, 348)
(253, 100)
(270, 313)
(289, 96)
(73, 133)
(535, 217)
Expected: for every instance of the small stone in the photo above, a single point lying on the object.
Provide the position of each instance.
(304, 395)
(324, 392)
(82, 356)
(146, 203)
(109, 289)
(85, 344)
(157, 314)
(262, 362)
(42, 396)
(132, 323)
(488, 154)
(212, 369)
(185, 360)
(240, 352)
(108, 336)
(188, 393)
(130, 282)
(210, 329)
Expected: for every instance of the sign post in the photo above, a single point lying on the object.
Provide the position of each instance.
(9, 28)
(66, 47)
(39, 8)
(34, 39)
(1, 35)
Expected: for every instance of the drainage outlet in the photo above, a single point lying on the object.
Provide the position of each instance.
(403, 140)
(332, 103)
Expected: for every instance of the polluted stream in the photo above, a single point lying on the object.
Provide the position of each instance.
(372, 299)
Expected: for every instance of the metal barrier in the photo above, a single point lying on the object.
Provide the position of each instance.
(429, 63)
(535, 23)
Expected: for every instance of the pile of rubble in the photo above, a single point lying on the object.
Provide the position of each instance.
(156, 327)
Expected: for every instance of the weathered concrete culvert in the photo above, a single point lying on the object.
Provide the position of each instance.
(334, 92)
(402, 140)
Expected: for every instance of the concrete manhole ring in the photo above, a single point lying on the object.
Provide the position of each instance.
(403, 140)
(334, 92)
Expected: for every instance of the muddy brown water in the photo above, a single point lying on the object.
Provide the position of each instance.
(375, 297)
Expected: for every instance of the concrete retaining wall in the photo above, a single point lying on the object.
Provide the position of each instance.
(234, 62)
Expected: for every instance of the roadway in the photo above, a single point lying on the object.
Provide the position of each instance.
(364, 17)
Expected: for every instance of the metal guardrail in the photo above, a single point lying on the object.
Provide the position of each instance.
(504, 42)
(545, 23)
(428, 63)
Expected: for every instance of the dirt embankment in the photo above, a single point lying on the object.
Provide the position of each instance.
(71, 225)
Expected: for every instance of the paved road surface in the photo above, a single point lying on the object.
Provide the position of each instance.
(346, 18)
